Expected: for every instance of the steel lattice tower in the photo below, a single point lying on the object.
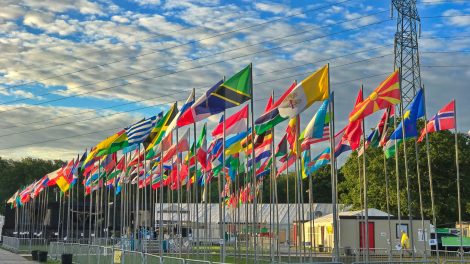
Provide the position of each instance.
(406, 48)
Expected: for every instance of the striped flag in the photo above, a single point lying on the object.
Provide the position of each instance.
(139, 131)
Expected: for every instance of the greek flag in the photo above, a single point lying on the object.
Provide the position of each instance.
(139, 131)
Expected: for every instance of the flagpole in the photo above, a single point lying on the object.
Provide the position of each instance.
(255, 200)
(178, 195)
(433, 210)
(387, 197)
(407, 178)
(335, 256)
(288, 209)
(219, 195)
(272, 198)
(458, 182)
(420, 199)
(311, 225)
(366, 206)
(397, 177)
(223, 186)
(161, 225)
(196, 196)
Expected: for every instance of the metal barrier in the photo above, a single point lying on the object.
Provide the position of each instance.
(24, 245)
(398, 262)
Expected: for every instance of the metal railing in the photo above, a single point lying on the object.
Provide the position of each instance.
(24, 245)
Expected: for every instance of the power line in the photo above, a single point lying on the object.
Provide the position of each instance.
(172, 47)
(203, 27)
(179, 71)
(257, 75)
(116, 128)
(150, 106)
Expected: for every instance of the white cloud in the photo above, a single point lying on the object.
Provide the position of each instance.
(455, 18)
(147, 2)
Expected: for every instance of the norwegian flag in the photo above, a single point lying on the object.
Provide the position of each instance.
(443, 120)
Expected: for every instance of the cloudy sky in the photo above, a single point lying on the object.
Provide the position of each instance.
(73, 72)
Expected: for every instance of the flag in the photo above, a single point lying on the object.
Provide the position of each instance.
(414, 111)
(158, 131)
(286, 164)
(319, 161)
(291, 131)
(103, 145)
(385, 95)
(375, 138)
(139, 131)
(317, 129)
(223, 95)
(353, 131)
(189, 102)
(282, 149)
(109, 162)
(342, 143)
(181, 146)
(52, 176)
(204, 107)
(443, 120)
(305, 160)
(390, 147)
(312, 89)
(233, 145)
(237, 89)
(202, 148)
(271, 116)
(233, 125)
(119, 143)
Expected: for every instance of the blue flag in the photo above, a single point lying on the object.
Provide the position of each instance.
(412, 113)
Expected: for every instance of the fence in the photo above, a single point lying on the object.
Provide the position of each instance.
(24, 245)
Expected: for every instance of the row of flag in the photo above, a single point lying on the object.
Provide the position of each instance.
(156, 151)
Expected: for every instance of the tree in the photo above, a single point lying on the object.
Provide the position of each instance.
(15, 175)
(442, 155)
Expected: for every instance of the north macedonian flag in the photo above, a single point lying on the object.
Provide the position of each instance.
(385, 95)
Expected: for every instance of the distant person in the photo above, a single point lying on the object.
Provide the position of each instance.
(405, 241)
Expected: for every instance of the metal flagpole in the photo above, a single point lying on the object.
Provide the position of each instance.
(458, 182)
(255, 200)
(366, 206)
(70, 196)
(335, 256)
(420, 198)
(196, 200)
(246, 181)
(60, 217)
(297, 211)
(137, 205)
(407, 178)
(397, 176)
(387, 194)
(433, 210)
(311, 225)
(220, 182)
(271, 191)
(288, 208)
(161, 225)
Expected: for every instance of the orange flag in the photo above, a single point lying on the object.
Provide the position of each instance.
(385, 95)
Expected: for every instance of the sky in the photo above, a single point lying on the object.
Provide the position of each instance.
(73, 72)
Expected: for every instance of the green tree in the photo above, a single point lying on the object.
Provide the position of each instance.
(442, 156)
(17, 174)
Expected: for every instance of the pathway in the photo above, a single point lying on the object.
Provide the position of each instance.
(7, 257)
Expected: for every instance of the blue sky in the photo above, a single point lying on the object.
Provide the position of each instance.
(74, 67)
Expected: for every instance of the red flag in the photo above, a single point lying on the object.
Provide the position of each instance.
(443, 120)
(353, 132)
(385, 95)
(233, 125)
